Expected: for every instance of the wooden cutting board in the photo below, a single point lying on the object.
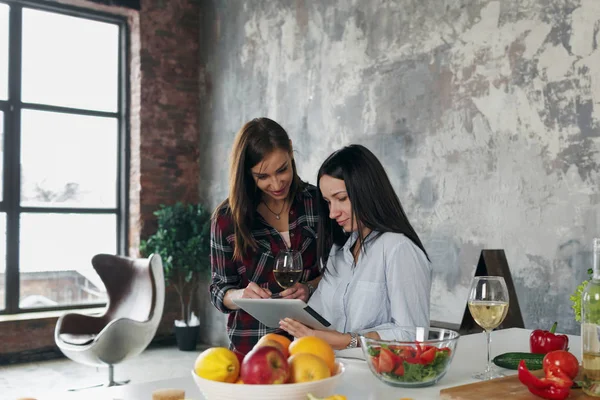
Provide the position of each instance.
(500, 389)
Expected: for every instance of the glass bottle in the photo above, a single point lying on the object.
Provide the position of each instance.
(590, 329)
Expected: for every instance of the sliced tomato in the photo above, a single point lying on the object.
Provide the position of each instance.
(375, 362)
(404, 351)
(415, 356)
(447, 349)
(399, 371)
(428, 356)
(387, 360)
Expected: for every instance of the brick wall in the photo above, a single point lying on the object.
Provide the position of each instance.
(26, 336)
(168, 151)
(163, 136)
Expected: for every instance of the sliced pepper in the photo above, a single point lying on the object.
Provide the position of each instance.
(552, 393)
(543, 342)
(559, 378)
(555, 386)
(530, 380)
(415, 357)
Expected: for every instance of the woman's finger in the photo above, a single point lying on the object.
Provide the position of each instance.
(286, 328)
(259, 293)
(302, 293)
(294, 327)
(289, 293)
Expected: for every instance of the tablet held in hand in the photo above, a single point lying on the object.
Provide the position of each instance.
(271, 311)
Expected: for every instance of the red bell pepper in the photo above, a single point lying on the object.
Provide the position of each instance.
(557, 386)
(552, 393)
(543, 342)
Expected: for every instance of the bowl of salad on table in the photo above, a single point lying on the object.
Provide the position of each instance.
(416, 357)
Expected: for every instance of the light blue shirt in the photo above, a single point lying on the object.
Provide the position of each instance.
(389, 287)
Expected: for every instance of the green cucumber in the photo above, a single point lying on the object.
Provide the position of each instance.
(512, 360)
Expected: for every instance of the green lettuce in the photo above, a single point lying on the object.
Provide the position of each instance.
(423, 373)
(576, 297)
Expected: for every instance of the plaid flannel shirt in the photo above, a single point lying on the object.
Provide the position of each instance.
(257, 266)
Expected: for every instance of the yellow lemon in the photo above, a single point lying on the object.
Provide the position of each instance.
(218, 364)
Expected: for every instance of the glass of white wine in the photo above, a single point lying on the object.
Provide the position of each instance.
(288, 268)
(488, 304)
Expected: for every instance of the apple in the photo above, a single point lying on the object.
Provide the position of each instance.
(272, 343)
(265, 365)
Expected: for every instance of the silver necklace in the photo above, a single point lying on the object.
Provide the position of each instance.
(277, 215)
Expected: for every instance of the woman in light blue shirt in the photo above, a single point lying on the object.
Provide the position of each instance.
(378, 275)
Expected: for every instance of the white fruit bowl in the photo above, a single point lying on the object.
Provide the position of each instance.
(289, 391)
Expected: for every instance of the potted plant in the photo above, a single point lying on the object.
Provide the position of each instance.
(183, 241)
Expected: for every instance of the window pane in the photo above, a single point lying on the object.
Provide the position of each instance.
(55, 258)
(69, 61)
(2, 260)
(68, 160)
(3, 51)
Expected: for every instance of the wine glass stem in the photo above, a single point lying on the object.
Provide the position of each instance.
(488, 337)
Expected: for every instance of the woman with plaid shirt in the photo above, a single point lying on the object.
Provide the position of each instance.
(268, 209)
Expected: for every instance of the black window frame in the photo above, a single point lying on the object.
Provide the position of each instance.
(12, 108)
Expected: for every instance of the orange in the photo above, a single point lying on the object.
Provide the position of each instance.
(316, 346)
(218, 364)
(306, 367)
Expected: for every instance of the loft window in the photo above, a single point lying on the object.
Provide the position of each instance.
(63, 152)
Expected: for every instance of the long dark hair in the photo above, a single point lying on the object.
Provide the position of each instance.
(375, 204)
(257, 139)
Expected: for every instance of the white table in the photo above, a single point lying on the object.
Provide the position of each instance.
(358, 383)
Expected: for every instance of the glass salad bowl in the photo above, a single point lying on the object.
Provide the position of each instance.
(416, 357)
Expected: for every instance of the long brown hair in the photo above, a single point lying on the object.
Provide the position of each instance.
(257, 139)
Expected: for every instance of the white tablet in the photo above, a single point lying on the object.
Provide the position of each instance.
(271, 311)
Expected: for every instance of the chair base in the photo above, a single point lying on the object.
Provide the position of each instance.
(111, 381)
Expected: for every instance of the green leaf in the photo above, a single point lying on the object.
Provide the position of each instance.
(373, 352)
(182, 239)
(421, 373)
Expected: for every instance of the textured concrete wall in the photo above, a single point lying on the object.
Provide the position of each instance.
(485, 113)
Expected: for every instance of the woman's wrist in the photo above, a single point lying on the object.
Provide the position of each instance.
(352, 341)
(230, 295)
(311, 288)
